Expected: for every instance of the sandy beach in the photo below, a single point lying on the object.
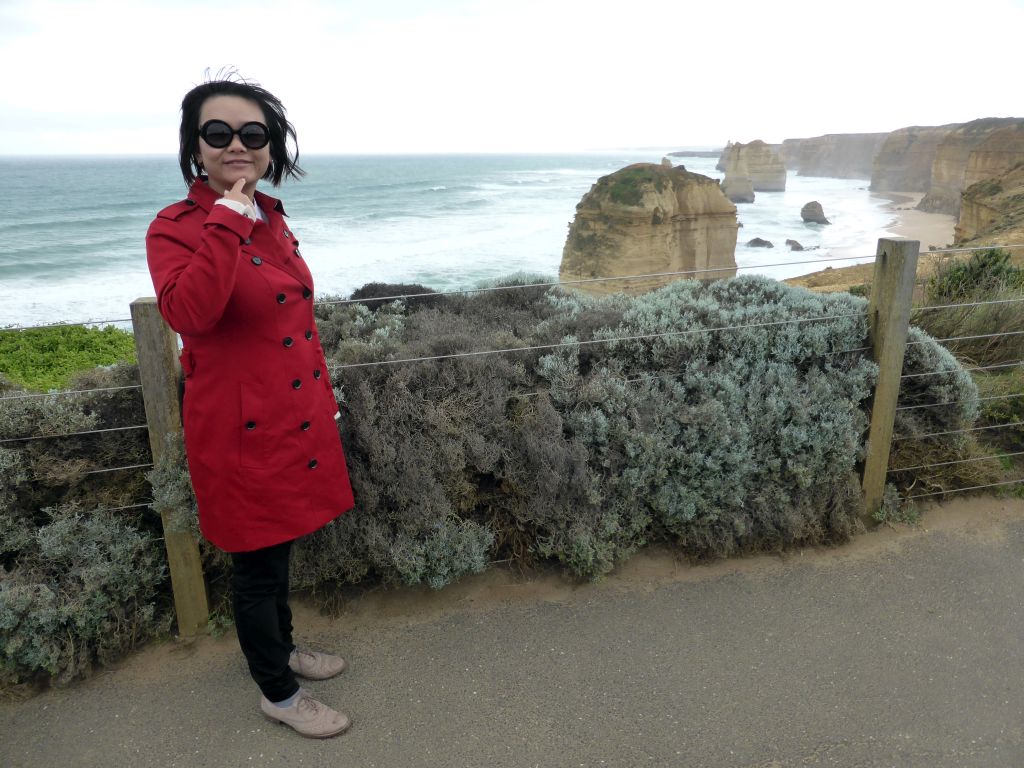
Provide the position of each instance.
(932, 230)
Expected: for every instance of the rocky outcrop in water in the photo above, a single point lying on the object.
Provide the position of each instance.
(737, 184)
(763, 164)
(647, 219)
(949, 169)
(813, 213)
(767, 171)
(904, 161)
(720, 165)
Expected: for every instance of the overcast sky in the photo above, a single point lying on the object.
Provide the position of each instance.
(107, 76)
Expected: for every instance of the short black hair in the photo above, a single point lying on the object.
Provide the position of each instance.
(283, 162)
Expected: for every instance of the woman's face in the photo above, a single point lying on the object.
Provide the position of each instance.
(235, 161)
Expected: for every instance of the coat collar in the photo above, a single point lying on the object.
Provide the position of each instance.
(205, 196)
(273, 249)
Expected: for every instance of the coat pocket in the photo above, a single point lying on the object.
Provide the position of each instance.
(254, 426)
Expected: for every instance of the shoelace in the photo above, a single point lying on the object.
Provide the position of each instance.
(310, 703)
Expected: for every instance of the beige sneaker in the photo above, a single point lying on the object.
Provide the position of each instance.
(307, 716)
(314, 665)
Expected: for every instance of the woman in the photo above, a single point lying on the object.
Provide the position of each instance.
(259, 412)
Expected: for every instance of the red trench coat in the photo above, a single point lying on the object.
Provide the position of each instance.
(262, 442)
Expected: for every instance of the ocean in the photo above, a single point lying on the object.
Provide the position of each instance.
(74, 228)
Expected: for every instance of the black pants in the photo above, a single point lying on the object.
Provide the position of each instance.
(263, 619)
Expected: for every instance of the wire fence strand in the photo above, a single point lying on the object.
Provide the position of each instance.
(67, 392)
(73, 434)
(957, 370)
(972, 248)
(968, 338)
(489, 289)
(958, 461)
(121, 509)
(958, 402)
(589, 342)
(118, 469)
(82, 324)
(959, 431)
(969, 304)
(961, 490)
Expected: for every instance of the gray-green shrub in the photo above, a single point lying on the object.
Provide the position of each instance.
(720, 441)
(84, 590)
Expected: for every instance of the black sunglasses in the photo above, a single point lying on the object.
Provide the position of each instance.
(219, 134)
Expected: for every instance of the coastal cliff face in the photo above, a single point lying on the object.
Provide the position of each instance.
(904, 161)
(949, 170)
(789, 151)
(837, 155)
(992, 212)
(1000, 152)
(647, 219)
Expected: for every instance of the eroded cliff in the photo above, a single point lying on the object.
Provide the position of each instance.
(837, 155)
(904, 161)
(949, 169)
(992, 212)
(646, 219)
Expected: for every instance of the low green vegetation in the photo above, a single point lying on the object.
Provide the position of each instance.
(626, 187)
(46, 358)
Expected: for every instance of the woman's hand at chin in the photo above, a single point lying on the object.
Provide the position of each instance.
(236, 193)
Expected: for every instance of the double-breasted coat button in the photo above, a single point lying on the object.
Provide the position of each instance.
(250, 425)
(309, 335)
(247, 241)
(281, 298)
(287, 341)
(189, 201)
(256, 260)
(316, 374)
(286, 233)
(297, 384)
(313, 463)
(296, 252)
(306, 293)
(305, 426)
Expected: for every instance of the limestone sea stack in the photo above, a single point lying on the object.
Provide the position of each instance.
(647, 219)
(767, 171)
(737, 184)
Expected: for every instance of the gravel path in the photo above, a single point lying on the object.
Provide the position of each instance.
(902, 648)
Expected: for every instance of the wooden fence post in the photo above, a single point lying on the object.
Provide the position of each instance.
(160, 372)
(888, 319)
